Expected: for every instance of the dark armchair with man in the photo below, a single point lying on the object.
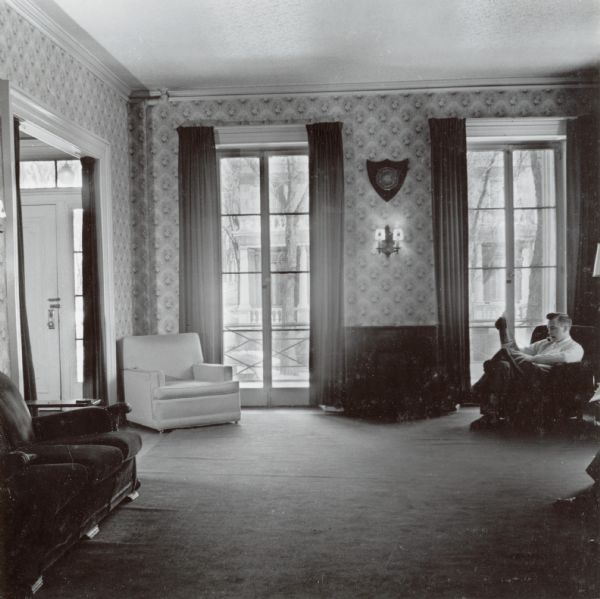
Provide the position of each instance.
(537, 385)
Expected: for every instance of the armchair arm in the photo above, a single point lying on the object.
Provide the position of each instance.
(149, 378)
(83, 421)
(572, 377)
(215, 373)
(13, 462)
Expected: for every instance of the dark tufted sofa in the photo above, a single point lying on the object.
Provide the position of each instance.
(60, 474)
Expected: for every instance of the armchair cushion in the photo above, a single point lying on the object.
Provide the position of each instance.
(127, 442)
(83, 421)
(99, 460)
(180, 389)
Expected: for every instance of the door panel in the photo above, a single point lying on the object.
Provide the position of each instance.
(41, 289)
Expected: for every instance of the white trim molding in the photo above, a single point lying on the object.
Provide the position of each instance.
(263, 136)
(374, 87)
(50, 28)
(519, 129)
(74, 140)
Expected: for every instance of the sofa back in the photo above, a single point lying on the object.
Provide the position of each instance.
(15, 420)
(173, 354)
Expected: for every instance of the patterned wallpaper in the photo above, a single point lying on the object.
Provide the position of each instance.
(37, 66)
(379, 291)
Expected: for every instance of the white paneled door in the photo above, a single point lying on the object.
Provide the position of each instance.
(50, 293)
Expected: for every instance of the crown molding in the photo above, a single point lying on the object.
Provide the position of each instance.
(449, 85)
(50, 28)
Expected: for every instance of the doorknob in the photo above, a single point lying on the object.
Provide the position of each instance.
(52, 306)
(51, 323)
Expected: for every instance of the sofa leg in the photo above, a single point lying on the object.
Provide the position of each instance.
(133, 495)
(37, 585)
(92, 532)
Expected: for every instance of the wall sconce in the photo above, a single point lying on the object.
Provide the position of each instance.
(596, 271)
(388, 241)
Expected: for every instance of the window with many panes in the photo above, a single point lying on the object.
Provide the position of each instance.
(265, 266)
(516, 240)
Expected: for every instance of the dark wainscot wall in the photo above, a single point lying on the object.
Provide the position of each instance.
(392, 373)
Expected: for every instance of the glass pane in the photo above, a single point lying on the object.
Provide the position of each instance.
(290, 300)
(240, 185)
(79, 317)
(535, 237)
(244, 350)
(77, 229)
(487, 242)
(37, 174)
(288, 184)
(533, 174)
(240, 237)
(79, 345)
(485, 179)
(242, 300)
(487, 295)
(290, 358)
(78, 274)
(289, 242)
(485, 342)
(535, 295)
(68, 173)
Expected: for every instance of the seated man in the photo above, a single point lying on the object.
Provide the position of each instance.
(512, 370)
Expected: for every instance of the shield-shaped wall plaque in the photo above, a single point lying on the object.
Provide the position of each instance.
(387, 176)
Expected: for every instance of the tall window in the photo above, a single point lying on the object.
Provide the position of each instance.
(78, 288)
(516, 248)
(265, 267)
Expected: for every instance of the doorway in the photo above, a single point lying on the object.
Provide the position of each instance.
(50, 183)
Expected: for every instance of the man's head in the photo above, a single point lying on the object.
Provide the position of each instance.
(559, 325)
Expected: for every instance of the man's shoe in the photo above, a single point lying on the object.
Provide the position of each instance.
(500, 324)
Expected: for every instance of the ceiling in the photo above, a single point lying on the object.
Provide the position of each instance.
(309, 45)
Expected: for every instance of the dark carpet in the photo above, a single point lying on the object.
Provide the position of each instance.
(297, 503)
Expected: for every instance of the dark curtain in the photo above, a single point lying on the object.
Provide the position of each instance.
(583, 221)
(94, 369)
(450, 234)
(200, 309)
(326, 198)
(29, 388)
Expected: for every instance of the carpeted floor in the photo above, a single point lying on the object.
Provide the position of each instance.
(297, 503)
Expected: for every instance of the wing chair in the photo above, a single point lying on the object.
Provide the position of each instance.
(168, 385)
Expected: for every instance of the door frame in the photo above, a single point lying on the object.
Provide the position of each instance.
(72, 139)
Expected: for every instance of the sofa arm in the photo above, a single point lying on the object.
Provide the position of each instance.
(82, 421)
(13, 462)
(215, 373)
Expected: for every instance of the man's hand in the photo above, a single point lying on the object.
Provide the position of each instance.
(519, 356)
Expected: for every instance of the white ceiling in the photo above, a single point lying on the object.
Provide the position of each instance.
(332, 44)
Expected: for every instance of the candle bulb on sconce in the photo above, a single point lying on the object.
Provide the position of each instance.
(2, 216)
(388, 241)
(596, 271)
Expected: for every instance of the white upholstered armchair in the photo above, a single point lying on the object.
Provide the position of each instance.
(168, 385)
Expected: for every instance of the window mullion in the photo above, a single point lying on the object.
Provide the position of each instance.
(509, 238)
(266, 275)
